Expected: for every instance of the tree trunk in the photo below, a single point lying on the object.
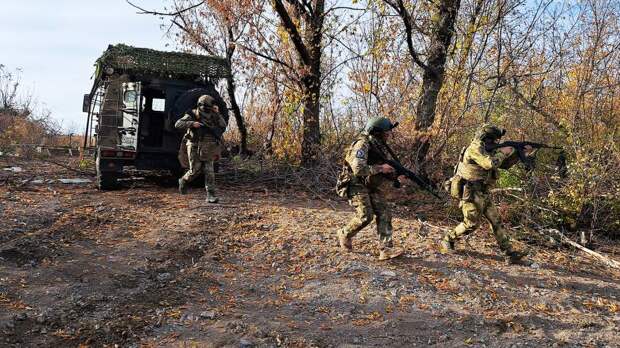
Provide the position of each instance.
(308, 47)
(231, 88)
(311, 139)
(312, 89)
(243, 132)
(432, 80)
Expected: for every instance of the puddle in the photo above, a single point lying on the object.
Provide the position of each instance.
(69, 181)
(75, 181)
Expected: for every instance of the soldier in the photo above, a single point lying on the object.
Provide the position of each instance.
(363, 181)
(476, 171)
(204, 126)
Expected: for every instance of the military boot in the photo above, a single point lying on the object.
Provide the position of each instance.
(345, 243)
(517, 258)
(182, 186)
(211, 198)
(446, 246)
(389, 253)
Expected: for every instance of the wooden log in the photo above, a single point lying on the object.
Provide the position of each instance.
(563, 239)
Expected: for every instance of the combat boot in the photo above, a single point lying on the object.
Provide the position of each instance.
(182, 186)
(211, 198)
(389, 253)
(517, 258)
(345, 243)
(446, 246)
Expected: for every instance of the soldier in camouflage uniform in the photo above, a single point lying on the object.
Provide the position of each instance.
(204, 126)
(476, 172)
(363, 182)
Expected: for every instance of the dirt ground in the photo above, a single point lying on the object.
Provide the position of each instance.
(144, 266)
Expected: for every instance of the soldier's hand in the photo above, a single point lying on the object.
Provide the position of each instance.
(386, 169)
(507, 150)
(196, 125)
(402, 179)
(528, 149)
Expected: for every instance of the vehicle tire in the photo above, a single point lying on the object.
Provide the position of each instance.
(105, 180)
(177, 172)
(187, 101)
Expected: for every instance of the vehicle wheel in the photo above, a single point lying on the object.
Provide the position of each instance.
(177, 172)
(105, 180)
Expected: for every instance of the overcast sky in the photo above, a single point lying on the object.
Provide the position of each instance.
(56, 43)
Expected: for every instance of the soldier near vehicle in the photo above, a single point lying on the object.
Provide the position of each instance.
(204, 127)
(475, 173)
(363, 181)
(137, 96)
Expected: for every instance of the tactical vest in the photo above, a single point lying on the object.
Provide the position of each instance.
(345, 178)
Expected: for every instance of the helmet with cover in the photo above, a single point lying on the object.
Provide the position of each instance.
(490, 132)
(379, 124)
(206, 101)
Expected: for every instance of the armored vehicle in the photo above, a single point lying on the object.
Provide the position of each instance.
(137, 96)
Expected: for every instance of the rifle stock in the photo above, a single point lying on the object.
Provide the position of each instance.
(401, 170)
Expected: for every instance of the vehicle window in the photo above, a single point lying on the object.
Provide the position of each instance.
(159, 104)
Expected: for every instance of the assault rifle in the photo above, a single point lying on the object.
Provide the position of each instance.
(519, 146)
(209, 129)
(401, 170)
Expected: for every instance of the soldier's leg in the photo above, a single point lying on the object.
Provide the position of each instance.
(384, 227)
(195, 165)
(471, 221)
(210, 181)
(363, 214)
(491, 214)
(503, 239)
(383, 218)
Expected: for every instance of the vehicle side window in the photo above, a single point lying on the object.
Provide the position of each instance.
(159, 104)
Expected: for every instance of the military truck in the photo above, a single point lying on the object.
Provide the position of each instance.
(137, 96)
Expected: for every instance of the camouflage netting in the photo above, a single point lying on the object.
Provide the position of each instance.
(166, 64)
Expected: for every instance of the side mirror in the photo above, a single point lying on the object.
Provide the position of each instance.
(86, 103)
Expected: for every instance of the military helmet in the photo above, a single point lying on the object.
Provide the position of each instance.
(206, 100)
(490, 131)
(379, 124)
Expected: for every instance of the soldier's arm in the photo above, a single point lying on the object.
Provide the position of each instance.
(221, 122)
(486, 160)
(184, 122)
(358, 160)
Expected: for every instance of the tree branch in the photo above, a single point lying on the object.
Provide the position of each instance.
(404, 14)
(155, 13)
(272, 59)
(291, 28)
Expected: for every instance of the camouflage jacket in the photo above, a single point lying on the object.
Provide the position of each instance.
(212, 129)
(364, 158)
(477, 164)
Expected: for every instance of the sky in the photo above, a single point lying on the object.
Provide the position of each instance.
(56, 43)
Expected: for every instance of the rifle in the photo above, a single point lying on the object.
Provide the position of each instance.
(206, 128)
(401, 170)
(528, 161)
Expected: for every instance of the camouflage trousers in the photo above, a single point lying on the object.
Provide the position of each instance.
(197, 165)
(480, 206)
(369, 206)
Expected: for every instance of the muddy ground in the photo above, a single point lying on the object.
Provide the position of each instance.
(143, 266)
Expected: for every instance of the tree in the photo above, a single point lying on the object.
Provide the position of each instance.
(214, 26)
(441, 18)
(307, 43)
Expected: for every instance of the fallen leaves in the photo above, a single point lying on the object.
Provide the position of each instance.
(368, 319)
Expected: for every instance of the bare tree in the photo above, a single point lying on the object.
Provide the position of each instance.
(439, 31)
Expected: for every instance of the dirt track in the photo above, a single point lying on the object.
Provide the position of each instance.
(143, 266)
